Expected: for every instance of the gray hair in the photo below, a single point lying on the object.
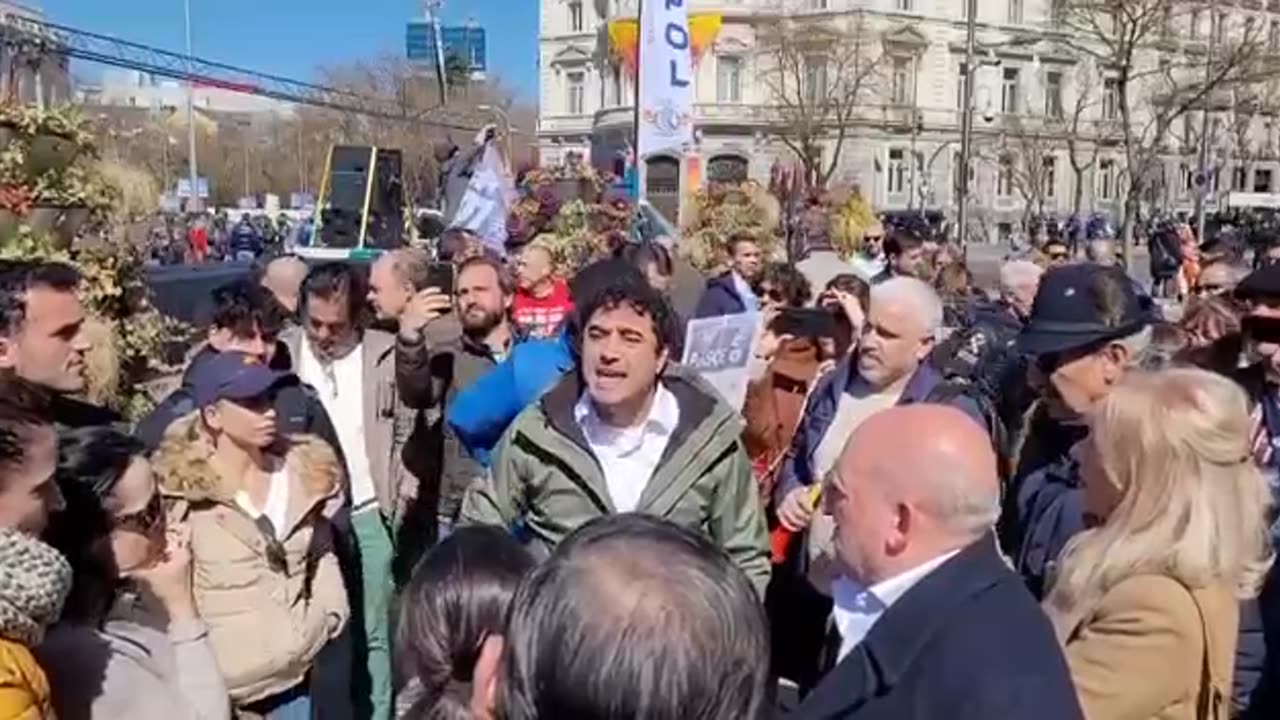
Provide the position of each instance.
(916, 293)
(1017, 273)
(1101, 251)
(1138, 345)
(608, 587)
(965, 506)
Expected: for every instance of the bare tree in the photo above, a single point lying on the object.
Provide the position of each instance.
(1084, 138)
(1153, 76)
(818, 76)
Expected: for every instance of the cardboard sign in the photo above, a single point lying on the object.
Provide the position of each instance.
(721, 349)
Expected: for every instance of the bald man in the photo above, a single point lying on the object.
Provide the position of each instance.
(283, 277)
(931, 621)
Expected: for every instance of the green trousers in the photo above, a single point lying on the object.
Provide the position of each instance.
(376, 551)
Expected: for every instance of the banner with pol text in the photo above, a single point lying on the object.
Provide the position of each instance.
(666, 78)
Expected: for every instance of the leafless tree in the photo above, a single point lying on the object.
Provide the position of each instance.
(818, 75)
(1155, 74)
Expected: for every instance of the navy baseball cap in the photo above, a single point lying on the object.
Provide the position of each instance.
(1081, 305)
(233, 376)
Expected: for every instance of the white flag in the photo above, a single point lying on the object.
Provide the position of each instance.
(666, 78)
(483, 209)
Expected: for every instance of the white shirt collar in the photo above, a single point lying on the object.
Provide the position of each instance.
(664, 416)
(745, 292)
(856, 609)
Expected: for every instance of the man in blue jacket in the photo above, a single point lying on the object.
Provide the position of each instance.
(733, 292)
(889, 368)
(1088, 327)
(929, 622)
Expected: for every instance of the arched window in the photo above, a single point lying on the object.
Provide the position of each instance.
(727, 169)
(662, 185)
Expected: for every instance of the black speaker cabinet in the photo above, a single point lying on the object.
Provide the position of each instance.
(355, 209)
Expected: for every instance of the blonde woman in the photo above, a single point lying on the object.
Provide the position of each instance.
(258, 506)
(1146, 600)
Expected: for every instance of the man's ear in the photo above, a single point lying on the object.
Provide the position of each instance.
(663, 358)
(484, 679)
(8, 353)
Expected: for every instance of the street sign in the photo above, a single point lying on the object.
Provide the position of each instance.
(184, 187)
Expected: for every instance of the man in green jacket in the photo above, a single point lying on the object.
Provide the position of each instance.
(628, 432)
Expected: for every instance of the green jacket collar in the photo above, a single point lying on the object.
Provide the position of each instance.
(708, 430)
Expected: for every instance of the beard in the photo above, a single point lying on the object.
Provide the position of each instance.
(478, 322)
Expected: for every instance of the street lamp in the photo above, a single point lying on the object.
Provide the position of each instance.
(966, 123)
(193, 203)
(506, 122)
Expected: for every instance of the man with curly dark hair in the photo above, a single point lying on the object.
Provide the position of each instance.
(629, 431)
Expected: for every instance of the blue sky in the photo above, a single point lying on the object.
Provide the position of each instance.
(293, 37)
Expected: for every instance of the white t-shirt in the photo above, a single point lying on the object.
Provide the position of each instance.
(276, 507)
(341, 388)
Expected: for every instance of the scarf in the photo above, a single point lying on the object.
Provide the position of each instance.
(34, 580)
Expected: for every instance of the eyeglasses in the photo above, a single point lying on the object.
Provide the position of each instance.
(1208, 289)
(145, 521)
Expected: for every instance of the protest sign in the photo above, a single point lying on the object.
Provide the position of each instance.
(721, 349)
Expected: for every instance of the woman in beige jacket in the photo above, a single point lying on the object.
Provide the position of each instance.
(266, 577)
(1146, 601)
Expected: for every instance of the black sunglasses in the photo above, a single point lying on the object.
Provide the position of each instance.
(1261, 329)
(145, 521)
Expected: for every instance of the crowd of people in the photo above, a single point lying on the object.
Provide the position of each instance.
(195, 238)
(456, 485)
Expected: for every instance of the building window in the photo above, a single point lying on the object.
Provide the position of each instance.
(897, 171)
(575, 16)
(1053, 94)
(1262, 180)
(1009, 91)
(1107, 179)
(963, 77)
(1004, 233)
(1239, 177)
(1110, 99)
(1049, 176)
(729, 79)
(1004, 176)
(1250, 25)
(615, 82)
(817, 4)
(901, 91)
(815, 79)
(1015, 12)
(903, 5)
(577, 93)
(1220, 27)
(1273, 36)
(1193, 25)
(1058, 12)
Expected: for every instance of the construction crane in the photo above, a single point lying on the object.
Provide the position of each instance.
(27, 36)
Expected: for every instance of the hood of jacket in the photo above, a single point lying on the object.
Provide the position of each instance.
(186, 471)
(34, 580)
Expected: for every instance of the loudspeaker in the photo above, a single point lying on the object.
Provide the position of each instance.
(349, 193)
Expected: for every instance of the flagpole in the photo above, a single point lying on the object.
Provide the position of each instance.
(635, 137)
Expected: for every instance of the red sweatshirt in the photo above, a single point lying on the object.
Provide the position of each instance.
(541, 317)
